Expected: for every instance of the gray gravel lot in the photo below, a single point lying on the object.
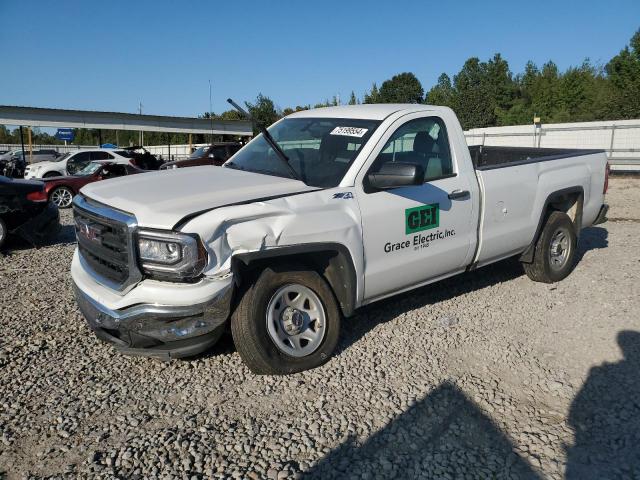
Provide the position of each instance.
(485, 375)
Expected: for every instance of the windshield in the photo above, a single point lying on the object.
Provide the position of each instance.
(125, 153)
(320, 150)
(89, 169)
(63, 157)
(200, 152)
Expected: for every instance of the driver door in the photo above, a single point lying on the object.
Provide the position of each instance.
(416, 233)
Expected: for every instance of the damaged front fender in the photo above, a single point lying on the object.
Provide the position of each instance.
(305, 219)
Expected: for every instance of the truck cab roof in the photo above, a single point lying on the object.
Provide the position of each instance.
(366, 111)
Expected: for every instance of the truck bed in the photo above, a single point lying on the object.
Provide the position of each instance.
(490, 157)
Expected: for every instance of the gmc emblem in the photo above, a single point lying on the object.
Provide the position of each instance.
(88, 231)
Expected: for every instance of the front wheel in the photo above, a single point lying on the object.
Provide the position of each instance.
(62, 197)
(287, 321)
(555, 251)
(51, 175)
(3, 233)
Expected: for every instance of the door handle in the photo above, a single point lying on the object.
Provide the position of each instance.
(458, 194)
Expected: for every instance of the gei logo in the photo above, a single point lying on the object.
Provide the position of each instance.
(421, 218)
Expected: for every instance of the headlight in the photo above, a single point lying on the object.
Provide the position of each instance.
(171, 255)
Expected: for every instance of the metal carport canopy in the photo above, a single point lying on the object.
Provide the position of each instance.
(54, 117)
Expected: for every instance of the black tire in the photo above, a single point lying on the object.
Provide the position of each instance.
(4, 233)
(62, 197)
(51, 174)
(548, 268)
(249, 322)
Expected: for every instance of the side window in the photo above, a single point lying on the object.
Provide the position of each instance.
(112, 171)
(78, 162)
(219, 153)
(100, 156)
(423, 142)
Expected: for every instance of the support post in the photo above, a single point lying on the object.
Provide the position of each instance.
(613, 133)
(30, 146)
(22, 143)
(99, 137)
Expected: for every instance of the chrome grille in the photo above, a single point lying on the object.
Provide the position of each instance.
(105, 243)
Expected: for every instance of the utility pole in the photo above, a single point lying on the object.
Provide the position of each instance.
(210, 112)
(141, 131)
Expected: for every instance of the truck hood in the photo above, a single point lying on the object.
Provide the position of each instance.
(161, 199)
(46, 163)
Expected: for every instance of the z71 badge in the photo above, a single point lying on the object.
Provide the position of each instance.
(343, 195)
(421, 218)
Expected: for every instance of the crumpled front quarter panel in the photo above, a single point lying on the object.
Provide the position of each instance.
(322, 216)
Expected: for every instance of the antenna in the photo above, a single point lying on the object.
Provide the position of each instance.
(210, 111)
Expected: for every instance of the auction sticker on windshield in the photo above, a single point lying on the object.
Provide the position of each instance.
(349, 131)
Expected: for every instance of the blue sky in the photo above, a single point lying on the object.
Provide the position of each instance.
(109, 55)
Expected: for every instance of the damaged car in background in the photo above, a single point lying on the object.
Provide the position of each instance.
(25, 213)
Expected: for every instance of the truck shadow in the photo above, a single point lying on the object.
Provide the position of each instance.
(444, 435)
(592, 238)
(368, 317)
(605, 415)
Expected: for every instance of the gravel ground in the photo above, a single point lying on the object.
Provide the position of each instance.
(486, 375)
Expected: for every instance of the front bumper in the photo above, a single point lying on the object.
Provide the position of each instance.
(161, 331)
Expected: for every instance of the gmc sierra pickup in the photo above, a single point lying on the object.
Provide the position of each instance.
(329, 210)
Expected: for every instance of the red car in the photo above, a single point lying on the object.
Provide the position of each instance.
(61, 190)
(214, 154)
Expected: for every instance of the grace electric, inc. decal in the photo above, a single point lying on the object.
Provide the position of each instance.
(418, 219)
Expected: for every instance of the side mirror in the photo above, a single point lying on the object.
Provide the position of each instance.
(392, 175)
(211, 155)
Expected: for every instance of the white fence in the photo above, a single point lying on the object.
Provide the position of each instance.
(620, 139)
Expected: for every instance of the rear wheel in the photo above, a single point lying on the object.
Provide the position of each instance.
(555, 251)
(286, 321)
(62, 197)
(3, 233)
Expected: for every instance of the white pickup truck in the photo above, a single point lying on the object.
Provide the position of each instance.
(337, 208)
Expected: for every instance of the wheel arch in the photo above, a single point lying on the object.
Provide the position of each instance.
(332, 261)
(569, 200)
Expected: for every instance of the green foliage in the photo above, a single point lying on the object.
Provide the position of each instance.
(486, 93)
(623, 72)
(442, 93)
(401, 88)
(373, 96)
(263, 111)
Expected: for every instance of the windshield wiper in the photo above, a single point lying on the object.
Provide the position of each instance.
(267, 136)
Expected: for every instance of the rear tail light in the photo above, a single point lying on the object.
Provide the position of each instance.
(40, 196)
(606, 178)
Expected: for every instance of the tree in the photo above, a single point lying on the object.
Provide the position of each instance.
(263, 111)
(500, 85)
(401, 88)
(352, 99)
(623, 72)
(473, 98)
(373, 96)
(442, 93)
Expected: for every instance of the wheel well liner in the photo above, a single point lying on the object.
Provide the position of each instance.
(561, 200)
(331, 260)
